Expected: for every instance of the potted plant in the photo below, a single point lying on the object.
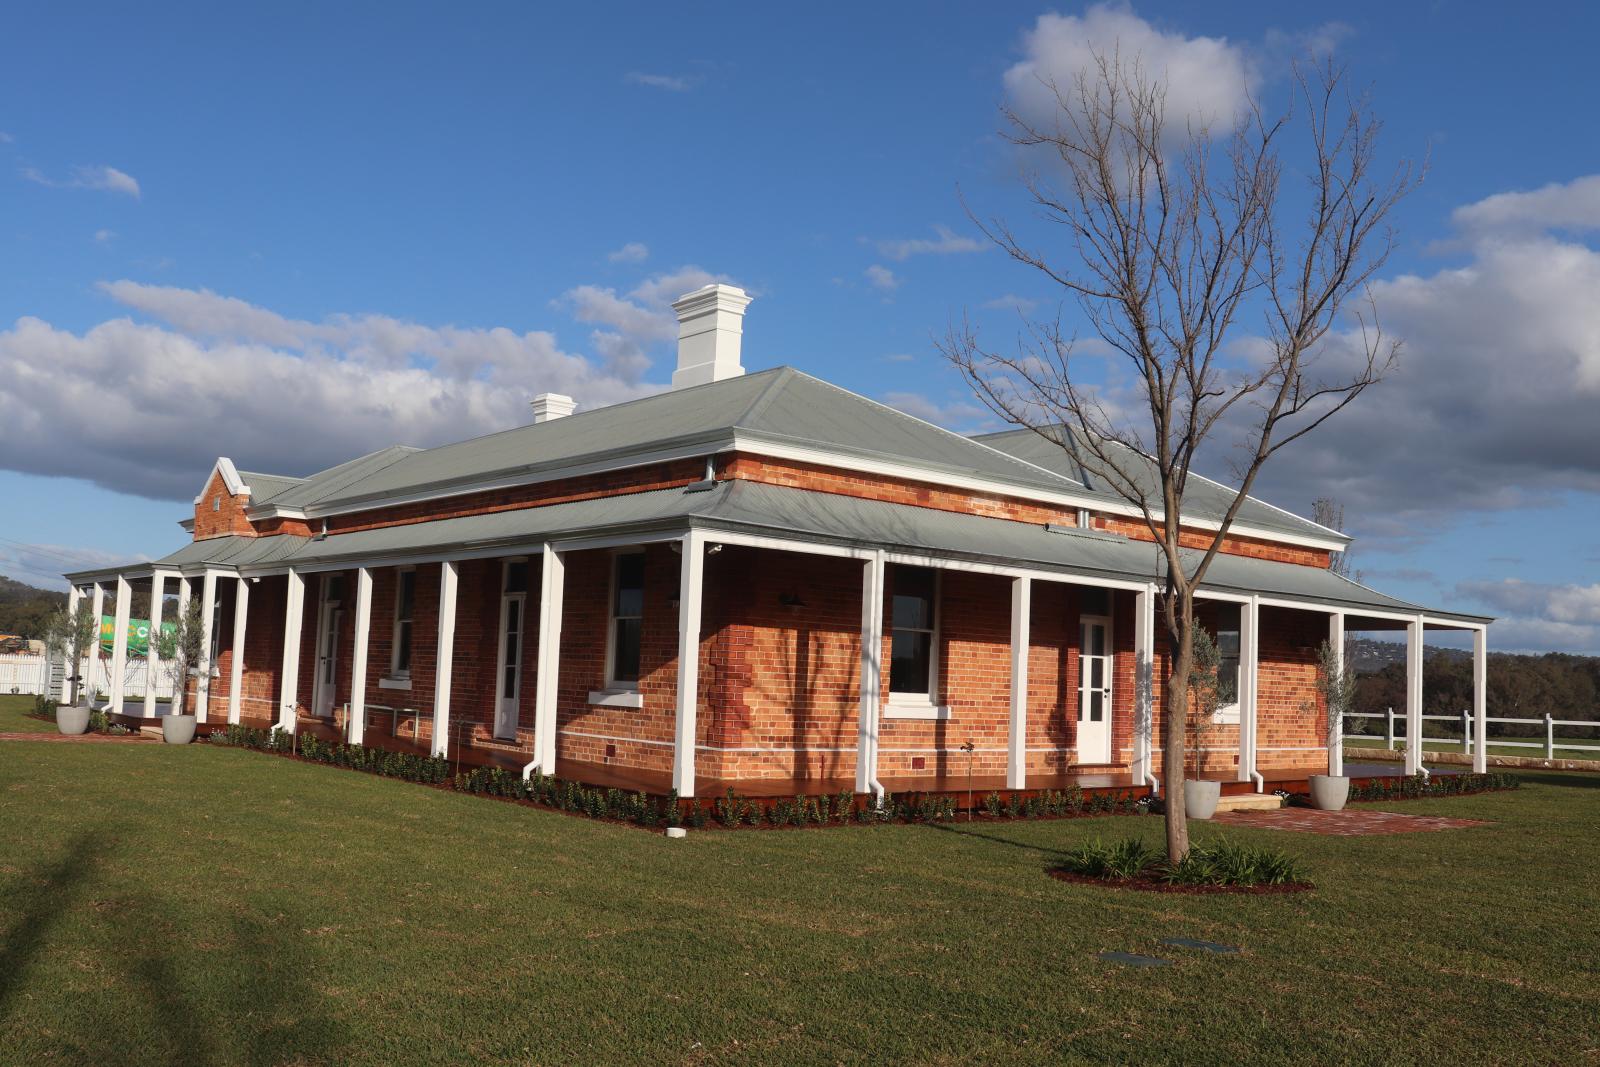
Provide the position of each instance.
(73, 634)
(1200, 797)
(1337, 684)
(183, 652)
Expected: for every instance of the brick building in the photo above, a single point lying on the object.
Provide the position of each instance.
(746, 580)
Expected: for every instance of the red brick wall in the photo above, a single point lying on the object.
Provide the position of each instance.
(1255, 548)
(229, 516)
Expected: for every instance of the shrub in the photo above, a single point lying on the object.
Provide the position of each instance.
(1439, 785)
(44, 707)
(1120, 861)
(1225, 863)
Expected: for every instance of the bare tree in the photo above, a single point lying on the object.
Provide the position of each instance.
(1169, 241)
(1325, 511)
(183, 651)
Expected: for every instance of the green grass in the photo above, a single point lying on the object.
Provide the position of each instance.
(16, 716)
(212, 905)
(1431, 744)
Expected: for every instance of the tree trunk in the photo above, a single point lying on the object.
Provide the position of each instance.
(1180, 620)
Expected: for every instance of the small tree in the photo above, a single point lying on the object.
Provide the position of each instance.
(1206, 689)
(1170, 238)
(72, 634)
(1336, 683)
(183, 652)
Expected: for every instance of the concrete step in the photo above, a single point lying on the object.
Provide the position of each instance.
(1250, 802)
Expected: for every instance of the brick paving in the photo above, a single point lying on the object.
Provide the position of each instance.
(1347, 823)
(91, 738)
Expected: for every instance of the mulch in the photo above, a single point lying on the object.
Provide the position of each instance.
(1149, 883)
(1346, 823)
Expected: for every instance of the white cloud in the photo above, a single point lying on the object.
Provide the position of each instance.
(1209, 80)
(1011, 302)
(644, 315)
(882, 278)
(103, 236)
(964, 415)
(944, 242)
(42, 565)
(1570, 605)
(672, 83)
(109, 179)
(1573, 205)
(146, 408)
(632, 252)
(1493, 404)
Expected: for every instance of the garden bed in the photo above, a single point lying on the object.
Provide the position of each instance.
(1150, 883)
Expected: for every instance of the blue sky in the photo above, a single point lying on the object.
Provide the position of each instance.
(291, 234)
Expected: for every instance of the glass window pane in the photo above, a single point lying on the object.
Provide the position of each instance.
(910, 661)
(509, 686)
(912, 604)
(517, 577)
(1092, 601)
(403, 645)
(1097, 673)
(1096, 705)
(630, 586)
(336, 587)
(625, 651)
(514, 614)
(407, 593)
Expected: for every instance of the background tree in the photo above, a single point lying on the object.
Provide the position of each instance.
(1326, 511)
(183, 652)
(1169, 237)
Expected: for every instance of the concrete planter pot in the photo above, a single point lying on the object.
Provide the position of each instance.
(1200, 799)
(72, 720)
(177, 729)
(1329, 792)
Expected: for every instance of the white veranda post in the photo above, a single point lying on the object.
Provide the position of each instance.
(1414, 638)
(691, 583)
(1144, 640)
(1017, 739)
(871, 675)
(444, 657)
(119, 645)
(357, 725)
(1335, 716)
(241, 615)
(294, 598)
(152, 653)
(547, 678)
(73, 670)
(1480, 699)
(96, 670)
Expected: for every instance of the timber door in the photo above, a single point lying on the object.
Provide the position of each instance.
(329, 618)
(1094, 690)
(513, 608)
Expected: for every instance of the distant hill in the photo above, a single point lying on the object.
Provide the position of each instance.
(25, 610)
(1519, 685)
(1367, 655)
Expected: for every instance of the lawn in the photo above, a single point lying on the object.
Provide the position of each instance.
(204, 904)
(16, 716)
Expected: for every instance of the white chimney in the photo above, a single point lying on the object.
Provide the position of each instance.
(547, 406)
(710, 329)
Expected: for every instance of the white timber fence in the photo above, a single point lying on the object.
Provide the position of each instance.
(1546, 726)
(32, 675)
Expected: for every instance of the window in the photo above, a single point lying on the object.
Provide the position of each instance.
(1228, 649)
(627, 620)
(405, 592)
(216, 503)
(913, 647)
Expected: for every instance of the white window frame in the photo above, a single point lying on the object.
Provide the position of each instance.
(397, 678)
(919, 705)
(614, 687)
(1228, 714)
(500, 644)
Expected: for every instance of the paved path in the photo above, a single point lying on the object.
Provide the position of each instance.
(1351, 822)
(91, 738)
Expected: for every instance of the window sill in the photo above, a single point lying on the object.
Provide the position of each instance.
(914, 709)
(1228, 716)
(390, 682)
(616, 698)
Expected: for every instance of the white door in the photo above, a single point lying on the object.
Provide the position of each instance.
(508, 691)
(1094, 690)
(328, 622)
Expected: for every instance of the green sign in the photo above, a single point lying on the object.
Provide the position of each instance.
(138, 634)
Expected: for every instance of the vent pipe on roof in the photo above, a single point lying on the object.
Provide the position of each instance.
(547, 406)
(710, 331)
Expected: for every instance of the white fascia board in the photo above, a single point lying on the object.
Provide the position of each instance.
(187, 524)
(230, 479)
(909, 472)
(554, 474)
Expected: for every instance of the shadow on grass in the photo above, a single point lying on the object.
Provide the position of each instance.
(1561, 779)
(40, 902)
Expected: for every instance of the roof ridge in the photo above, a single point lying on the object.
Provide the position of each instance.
(763, 400)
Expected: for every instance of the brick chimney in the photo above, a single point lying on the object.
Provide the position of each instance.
(710, 329)
(547, 406)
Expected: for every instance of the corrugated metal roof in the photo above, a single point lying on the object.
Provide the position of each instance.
(263, 487)
(1202, 498)
(781, 405)
(770, 509)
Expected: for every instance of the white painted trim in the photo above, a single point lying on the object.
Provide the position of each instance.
(500, 695)
(918, 704)
(609, 737)
(1109, 690)
(358, 656)
(1017, 728)
(389, 681)
(396, 678)
(241, 615)
(613, 683)
(914, 709)
(691, 584)
(444, 656)
(230, 480)
(293, 622)
(616, 698)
